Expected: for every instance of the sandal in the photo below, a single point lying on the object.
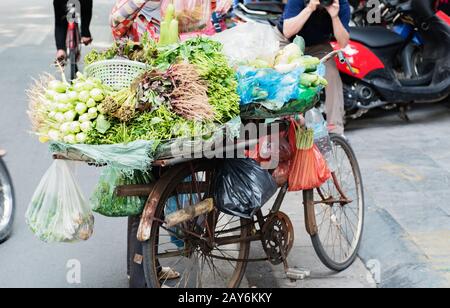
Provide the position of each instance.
(168, 274)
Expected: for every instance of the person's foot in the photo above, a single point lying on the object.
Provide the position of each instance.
(86, 40)
(168, 274)
(335, 129)
(61, 57)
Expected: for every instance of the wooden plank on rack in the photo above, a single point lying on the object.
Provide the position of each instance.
(134, 190)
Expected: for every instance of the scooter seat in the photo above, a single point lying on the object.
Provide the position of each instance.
(375, 37)
(271, 7)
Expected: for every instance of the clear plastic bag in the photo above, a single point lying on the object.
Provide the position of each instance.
(192, 15)
(315, 120)
(58, 212)
(248, 42)
(107, 203)
(243, 187)
(177, 203)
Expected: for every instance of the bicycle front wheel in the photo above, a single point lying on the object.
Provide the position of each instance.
(209, 251)
(338, 210)
(73, 57)
(6, 202)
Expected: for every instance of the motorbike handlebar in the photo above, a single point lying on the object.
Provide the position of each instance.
(342, 59)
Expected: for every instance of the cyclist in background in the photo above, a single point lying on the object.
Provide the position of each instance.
(61, 24)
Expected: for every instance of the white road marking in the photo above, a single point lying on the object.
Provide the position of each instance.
(31, 35)
(34, 15)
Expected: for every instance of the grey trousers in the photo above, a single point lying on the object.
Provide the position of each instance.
(334, 103)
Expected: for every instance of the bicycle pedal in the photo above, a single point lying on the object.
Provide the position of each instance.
(297, 274)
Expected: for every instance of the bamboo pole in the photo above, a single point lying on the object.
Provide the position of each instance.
(189, 213)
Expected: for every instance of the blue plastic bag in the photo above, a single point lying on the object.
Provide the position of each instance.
(174, 205)
(258, 85)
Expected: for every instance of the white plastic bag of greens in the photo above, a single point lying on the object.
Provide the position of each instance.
(250, 43)
(58, 211)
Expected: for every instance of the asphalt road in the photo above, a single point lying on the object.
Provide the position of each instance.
(27, 50)
(400, 242)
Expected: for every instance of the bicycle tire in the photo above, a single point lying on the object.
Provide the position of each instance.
(173, 178)
(73, 64)
(6, 193)
(318, 245)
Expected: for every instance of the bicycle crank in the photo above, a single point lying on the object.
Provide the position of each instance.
(278, 238)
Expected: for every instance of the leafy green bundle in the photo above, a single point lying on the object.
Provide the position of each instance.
(163, 99)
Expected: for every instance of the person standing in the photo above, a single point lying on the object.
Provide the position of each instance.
(318, 25)
(133, 18)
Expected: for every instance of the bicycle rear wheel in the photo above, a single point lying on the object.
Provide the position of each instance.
(6, 203)
(209, 251)
(338, 210)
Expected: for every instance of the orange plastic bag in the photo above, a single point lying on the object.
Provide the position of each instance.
(309, 169)
(192, 15)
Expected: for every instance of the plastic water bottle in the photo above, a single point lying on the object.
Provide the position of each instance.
(315, 120)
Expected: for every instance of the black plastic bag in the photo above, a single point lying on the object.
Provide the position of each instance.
(243, 187)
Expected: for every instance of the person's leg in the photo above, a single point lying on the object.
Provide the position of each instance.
(280, 36)
(86, 17)
(135, 255)
(334, 103)
(60, 27)
(334, 92)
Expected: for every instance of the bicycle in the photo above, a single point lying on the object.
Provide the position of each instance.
(213, 249)
(73, 39)
(208, 248)
(7, 201)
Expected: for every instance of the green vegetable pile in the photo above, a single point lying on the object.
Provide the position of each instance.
(65, 112)
(106, 202)
(189, 91)
(148, 113)
(213, 67)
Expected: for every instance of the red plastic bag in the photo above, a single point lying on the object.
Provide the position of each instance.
(281, 174)
(267, 150)
(309, 170)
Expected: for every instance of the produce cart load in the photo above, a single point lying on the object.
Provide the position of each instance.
(273, 81)
(139, 102)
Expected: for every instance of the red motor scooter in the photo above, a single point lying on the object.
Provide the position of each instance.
(395, 69)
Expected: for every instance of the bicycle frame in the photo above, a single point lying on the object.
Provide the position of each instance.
(73, 39)
(73, 36)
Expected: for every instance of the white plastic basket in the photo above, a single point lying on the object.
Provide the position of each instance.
(118, 74)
